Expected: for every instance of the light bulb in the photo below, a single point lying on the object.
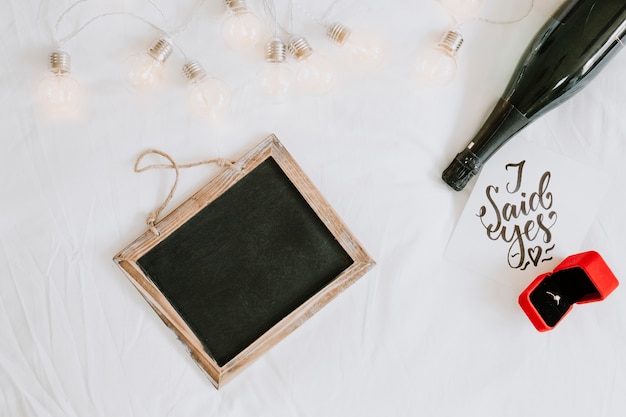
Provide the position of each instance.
(437, 65)
(208, 97)
(316, 74)
(363, 49)
(241, 29)
(59, 93)
(277, 76)
(146, 69)
(462, 8)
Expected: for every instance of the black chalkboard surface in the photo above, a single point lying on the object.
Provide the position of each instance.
(245, 260)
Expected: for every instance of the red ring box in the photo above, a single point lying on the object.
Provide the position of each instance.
(579, 279)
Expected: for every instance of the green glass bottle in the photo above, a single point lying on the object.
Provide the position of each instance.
(567, 52)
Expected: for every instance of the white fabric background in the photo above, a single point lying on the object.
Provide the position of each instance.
(418, 335)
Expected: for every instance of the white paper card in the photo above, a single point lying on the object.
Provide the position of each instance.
(530, 208)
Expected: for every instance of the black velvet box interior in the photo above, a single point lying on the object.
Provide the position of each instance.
(557, 292)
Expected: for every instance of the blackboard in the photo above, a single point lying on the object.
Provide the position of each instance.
(245, 260)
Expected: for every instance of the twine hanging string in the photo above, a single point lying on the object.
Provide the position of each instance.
(153, 216)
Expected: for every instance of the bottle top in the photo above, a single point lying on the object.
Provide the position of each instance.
(457, 175)
(461, 169)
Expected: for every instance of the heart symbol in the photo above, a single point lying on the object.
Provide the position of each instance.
(535, 254)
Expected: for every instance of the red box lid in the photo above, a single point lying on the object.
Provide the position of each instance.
(581, 278)
(596, 270)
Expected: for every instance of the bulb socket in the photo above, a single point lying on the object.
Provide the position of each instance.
(236, 6)
(275, 51)
(338, 33)
(299, 47)
(451, 42)
(60, 62)
(193, 71)
(161, 50)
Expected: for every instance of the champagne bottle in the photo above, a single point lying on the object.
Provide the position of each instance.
(567, 52)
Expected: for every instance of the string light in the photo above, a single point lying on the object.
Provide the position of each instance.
(316, 74)
(241, 29)
(208, 97)
(146, 69)
(277, 77)
(437, 65)
(59, 93)
(363, 49)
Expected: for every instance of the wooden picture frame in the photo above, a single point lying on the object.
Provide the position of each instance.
(245, 261)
